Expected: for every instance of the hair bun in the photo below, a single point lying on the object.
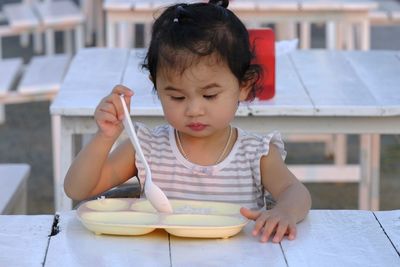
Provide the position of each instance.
(222, 3)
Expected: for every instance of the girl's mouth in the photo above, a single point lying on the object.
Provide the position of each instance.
(197, 126)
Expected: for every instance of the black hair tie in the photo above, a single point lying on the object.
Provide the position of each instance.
(221, 3)
(180, 12)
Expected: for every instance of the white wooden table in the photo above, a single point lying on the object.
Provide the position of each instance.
(316, 92)
(254, 12)
(325, 238)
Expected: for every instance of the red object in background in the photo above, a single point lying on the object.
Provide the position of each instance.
(263, 41)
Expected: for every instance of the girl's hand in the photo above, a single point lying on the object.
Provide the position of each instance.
(109, 112)
(268, 223)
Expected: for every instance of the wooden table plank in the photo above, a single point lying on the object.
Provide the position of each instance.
(144, 101)
(383, 81)
(362, 241)
(240, 250)
(290, 94)
(390, 221)
(9, 69)
(13, 187)
(83, 75)
(76, 246)
(330, 95)
(59, 13)
(24, 239)
(44, 74)
(20, 17)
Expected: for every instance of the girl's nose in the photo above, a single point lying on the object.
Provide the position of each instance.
(194, 108)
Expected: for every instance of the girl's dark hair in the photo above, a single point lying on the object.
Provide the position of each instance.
(184, 33)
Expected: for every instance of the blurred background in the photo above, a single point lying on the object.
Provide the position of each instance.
(25, 136)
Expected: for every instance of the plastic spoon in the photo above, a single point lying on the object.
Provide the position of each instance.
(153, 193)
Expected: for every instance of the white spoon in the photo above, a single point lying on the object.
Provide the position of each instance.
(153, 193)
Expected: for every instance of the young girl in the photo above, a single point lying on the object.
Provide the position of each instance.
(199, 61)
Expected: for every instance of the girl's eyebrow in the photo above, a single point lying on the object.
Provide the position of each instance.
(211, 85)
(170, 88)
(208, 86)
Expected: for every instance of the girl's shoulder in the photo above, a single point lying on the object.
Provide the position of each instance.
(260, 143)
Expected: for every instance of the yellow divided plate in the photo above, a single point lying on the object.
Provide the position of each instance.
(199, 219)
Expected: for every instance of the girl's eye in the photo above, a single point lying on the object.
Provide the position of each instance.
(210, 96)
(177, 98)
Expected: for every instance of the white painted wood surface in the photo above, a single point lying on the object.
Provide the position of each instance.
(44, 74)
(23, 239)
(9, 69)
(58, 13)
(20, 16)
(79, 247)
(390, 221)
(316, 92)
(386, 13)
(340, 238)
(240, 250)
(13, 188)
(324, 238)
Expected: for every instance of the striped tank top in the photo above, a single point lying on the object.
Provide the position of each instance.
(236, 179)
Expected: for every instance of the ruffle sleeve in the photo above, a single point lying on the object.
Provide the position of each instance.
(264, 145)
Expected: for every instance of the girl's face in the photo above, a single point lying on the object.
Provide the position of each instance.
(203, 99)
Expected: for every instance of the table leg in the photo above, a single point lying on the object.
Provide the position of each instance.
(49, 42)
(2, 114)
(88, 11)
(99, 23)
(37, 41)
(79, 37)
(375, 166)
(365, 35)
(124, 34)
(68, 42)
(110, 32)
(340, 149)
(62, 157)
(369, 161)
(350, 35)
(330, 35)
(305, 32)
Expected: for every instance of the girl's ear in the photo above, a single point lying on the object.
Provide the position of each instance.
(245, 89)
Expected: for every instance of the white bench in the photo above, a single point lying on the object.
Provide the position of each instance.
(13, 188)
(387, 13)
(41, 79)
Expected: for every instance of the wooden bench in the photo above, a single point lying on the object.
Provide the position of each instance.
(13, 188)
(387, 13)
(40, 80)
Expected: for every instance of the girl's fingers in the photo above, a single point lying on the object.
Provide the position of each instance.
(108, 118)
(118, 106)
(115, 96)
(269, 228)
(255, 215)
(280, 232)
(292, 232)
(122, 90)
(250, 214)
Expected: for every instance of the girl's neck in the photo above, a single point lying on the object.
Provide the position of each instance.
(206, 151)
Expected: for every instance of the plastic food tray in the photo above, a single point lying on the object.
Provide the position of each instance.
(196, 219)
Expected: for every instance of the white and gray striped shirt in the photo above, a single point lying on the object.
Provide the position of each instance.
(236, 179)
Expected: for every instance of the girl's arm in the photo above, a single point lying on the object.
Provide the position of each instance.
(292, 197)
(95, 170)
(290, 194)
